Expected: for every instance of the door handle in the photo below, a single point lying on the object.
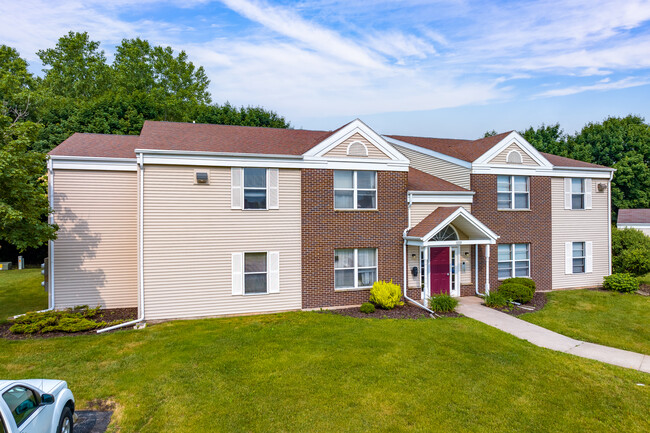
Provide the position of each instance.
(447, 273)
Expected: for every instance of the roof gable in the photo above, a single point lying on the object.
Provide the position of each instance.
(511, 141)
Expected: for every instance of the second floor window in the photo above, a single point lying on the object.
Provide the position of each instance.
(355, 189)
(254, 188)
(513, 192)
(577, 194)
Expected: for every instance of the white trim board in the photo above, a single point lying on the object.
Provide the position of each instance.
(540, 171)
(92, 163)
(510, 139)
(440, 197)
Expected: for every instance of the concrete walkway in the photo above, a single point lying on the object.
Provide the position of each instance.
(472, 307)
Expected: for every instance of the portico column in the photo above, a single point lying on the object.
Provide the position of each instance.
(487, 269)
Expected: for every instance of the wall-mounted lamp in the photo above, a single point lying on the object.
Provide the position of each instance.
(466, 253)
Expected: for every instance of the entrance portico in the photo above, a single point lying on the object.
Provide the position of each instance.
(440, 238)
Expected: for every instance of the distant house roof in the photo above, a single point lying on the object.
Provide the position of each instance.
(98, 145)
(632, 216)
(432, 221)
(421, 181)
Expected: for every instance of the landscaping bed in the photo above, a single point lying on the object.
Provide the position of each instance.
(537, 303)
(406, 311)
(110, 316)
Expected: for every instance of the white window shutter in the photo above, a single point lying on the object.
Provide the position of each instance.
(567, 193)
(273, 188)
(236, 187)
(588, 194)
(237, 273)
(568, 257)
(274, 271)
(589, 257)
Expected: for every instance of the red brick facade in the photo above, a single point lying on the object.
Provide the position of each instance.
(526, 226)
(324, 230)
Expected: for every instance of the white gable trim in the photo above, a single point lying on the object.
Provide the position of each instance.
(471, 218)
(514, 138)
(429, 152)
(354, 127)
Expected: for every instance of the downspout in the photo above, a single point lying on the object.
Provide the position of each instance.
(140, 168)
(609, 226)
(405, 290)
(476, 271)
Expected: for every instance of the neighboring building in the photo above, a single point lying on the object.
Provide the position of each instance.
(191, 220)
(634, 219)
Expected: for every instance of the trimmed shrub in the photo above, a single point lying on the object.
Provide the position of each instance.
(495, 299)
(624, 283)
(516, 292)
(386, 295)
(367, 308)
(443, 303)
(520, 280)
(630, 251)
(76, 319)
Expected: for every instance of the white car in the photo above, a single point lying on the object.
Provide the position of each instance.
(36, 406)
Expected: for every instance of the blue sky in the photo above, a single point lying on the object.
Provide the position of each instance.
(436, 68)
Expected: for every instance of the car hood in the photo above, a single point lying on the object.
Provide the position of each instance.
(48, 386)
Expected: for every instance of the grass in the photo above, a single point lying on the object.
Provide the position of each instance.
(645, 279)
(20, 292)
(609, 318)
(314, 372)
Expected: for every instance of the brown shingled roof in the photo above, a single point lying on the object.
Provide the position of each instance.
(98, 145)
(421, 181)
(561, 161)
(632, 216)
(466, 150)
(228, 138)
(432, 221)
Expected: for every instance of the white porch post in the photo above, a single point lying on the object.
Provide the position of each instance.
(487, 269)
(476, 267)
(427, 272)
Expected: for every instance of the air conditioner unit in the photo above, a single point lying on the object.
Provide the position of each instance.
(201, 177)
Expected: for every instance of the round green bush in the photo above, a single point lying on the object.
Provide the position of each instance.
(516, 292)
(521, 280)
(495, 299)
(386, 295)
(367, 308)
(443, 303)
(624, 283)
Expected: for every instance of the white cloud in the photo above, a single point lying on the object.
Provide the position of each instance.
(601, 85)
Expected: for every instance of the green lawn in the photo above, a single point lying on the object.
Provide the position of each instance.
(645, 279)
(20, 292)
(320, 372)
(609, 318)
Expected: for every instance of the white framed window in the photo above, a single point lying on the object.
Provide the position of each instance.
(579, 257)
(577, 193)
(513, 192)
(513, 260)
(355, 189)
(255, 272)
(355, 268)
(254, 188)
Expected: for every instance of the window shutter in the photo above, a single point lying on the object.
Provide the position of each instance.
(236, 188)
(587, 193)
(273, 188)
(568, 257)
(274, 272)
(237, 274)
(589, 257)
(567, 193)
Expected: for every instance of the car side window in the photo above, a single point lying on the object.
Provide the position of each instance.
(22, 403)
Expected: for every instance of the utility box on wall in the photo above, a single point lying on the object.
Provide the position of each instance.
(5, 266)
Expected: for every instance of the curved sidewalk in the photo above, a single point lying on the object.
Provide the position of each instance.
(472, 307)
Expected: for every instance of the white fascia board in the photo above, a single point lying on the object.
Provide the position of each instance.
(425, 151)
(249, 160)
(356, 126)
(521, 170)
(60, 162)
(441, 197)
(469, 217)
(523, 144)
(632, 225)
(413, 241)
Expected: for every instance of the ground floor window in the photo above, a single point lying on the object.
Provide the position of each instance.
(255, 273)
(355, 268)
(579, 257)
(514, 260)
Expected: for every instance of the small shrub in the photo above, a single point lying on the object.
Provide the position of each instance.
(367, 308)
(520, 280)
(443, 303)
(630, 251)
(76, 319)
(495, 299)
(624, 283)
(517, 292)
(386, 295)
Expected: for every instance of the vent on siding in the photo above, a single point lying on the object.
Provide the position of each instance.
(514, 157)
(357, 148)
(202, 177)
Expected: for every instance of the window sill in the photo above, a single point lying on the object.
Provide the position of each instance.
(506, 278)
(356, 210)
(514, 210)
(353, 289)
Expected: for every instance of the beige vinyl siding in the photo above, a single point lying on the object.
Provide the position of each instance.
(420, 211)
(437, 167)
(501, 158)
(190, 233)
(341, 150)
(466, 275)
(580, 226)
(413, 261)
(96, 251)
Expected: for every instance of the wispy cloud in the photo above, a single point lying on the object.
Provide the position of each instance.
(599, 86)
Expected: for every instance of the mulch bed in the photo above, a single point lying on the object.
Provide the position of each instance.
(538, 302)
(107, 315)
(406, 311)
(644, 290)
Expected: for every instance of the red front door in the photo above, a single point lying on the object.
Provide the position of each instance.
(439, 262)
